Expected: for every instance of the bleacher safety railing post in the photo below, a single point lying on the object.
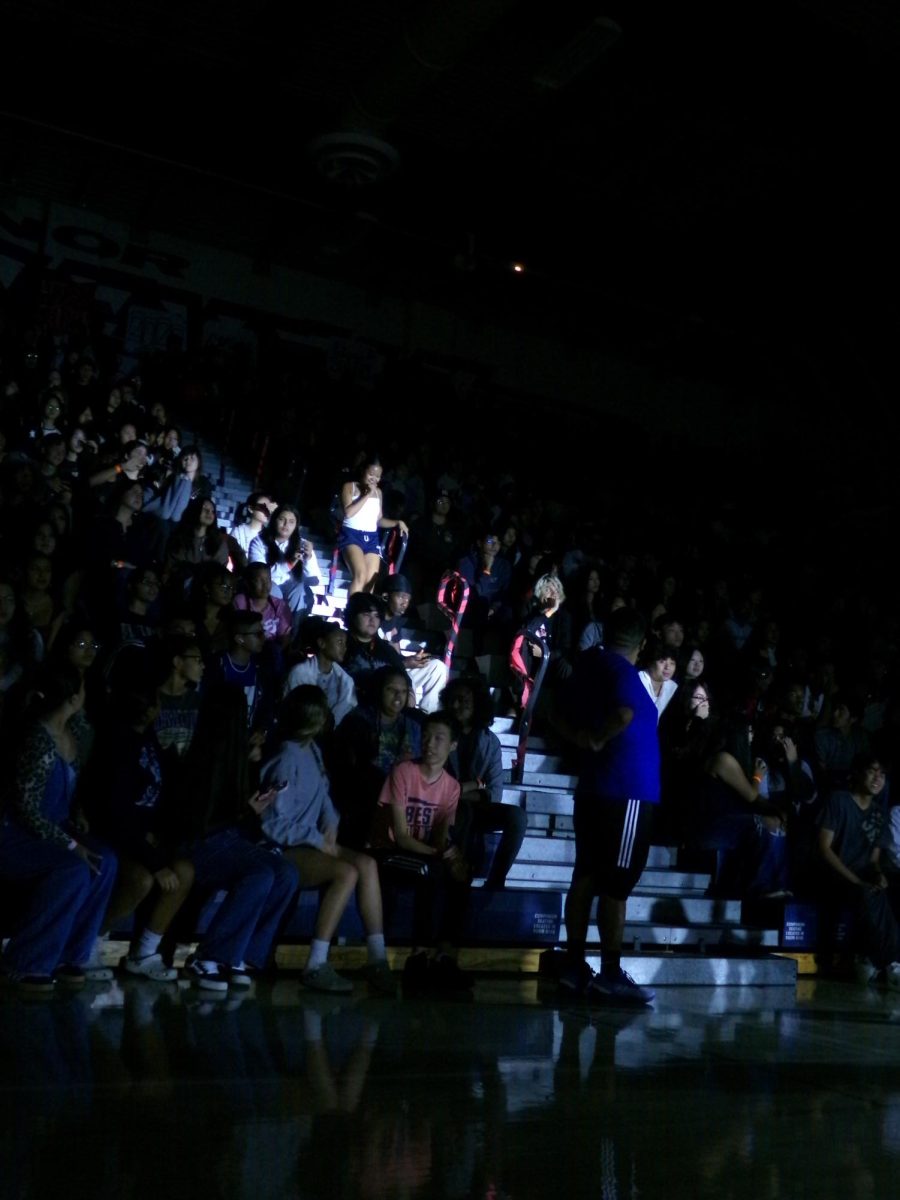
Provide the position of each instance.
(452, 598)
(529, 701)
(393, 550)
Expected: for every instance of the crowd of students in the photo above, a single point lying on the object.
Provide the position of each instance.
(177, 722)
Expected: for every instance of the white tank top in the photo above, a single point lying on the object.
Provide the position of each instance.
(366, 518)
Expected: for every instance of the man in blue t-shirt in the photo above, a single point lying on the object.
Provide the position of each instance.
(608, 714)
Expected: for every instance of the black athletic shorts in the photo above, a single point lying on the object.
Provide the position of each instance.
(612, 842)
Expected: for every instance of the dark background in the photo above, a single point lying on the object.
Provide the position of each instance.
(706, 189)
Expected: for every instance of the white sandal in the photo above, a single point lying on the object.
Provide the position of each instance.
(150, 967)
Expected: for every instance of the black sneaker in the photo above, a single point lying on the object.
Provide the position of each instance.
(209, 977)
(446, 975)
(415, 972)
(617, 987)
(576, 979)
(68, 975)
(31, 985)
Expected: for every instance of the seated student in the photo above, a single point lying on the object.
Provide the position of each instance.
(20, 646)
(196, 540)
(588, 608)
(657, 666)
(791, 789)
(78, 646)
(839, 743)
(181, 668)
(301, 818)
(214, 828)
(416, 812)
(478, 766)
(730, 814)
(490, 578)
(429, 675)
(324, 644)
(44, 844)
(244, 664)
(671, 632)
(366, 651)
(435, 537)
(692, 664)
(125, 792)
(380, 732)
(256, 596)
(51, 456)
(851, 832)
(290, 559)
(687, 733)
(39, 600)
(211, 593)
(118, 540)
(169, 500)
(249, 523)
(139, 613)
(119, 461)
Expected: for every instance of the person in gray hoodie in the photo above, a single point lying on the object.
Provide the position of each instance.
(302, 819)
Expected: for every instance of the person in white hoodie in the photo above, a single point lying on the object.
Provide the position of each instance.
(657, 668)
(325, 644)
(302, 819)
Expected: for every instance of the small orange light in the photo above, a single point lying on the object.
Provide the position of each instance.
(518, 268)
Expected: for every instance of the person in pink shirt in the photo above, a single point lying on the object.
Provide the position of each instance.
(412, 839)
(275, 614)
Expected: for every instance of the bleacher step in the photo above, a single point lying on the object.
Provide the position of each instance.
(695, 970)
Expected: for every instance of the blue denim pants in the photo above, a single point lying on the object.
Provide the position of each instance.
(260, 887)
(66, 901)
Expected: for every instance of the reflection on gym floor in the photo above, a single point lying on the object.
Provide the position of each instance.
(136, 1089)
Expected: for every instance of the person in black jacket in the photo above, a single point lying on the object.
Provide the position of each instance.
(366, 651)
(126, 793)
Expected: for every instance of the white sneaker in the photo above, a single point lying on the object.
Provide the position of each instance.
(892, 976)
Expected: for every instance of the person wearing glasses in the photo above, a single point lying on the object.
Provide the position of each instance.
(211, 597)
(78, 647)
(687, 732)
(243, 664)
(179, 701)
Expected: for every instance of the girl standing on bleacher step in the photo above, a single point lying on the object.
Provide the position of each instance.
(363, 517)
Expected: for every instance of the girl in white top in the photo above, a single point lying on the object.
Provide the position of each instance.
(358, 541)
(658, 667)
(289, 557)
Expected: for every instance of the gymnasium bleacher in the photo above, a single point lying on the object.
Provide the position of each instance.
(675, 933)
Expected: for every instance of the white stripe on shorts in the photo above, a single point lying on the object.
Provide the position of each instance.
(629, 829)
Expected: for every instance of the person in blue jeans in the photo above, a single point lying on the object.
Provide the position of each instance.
(44, 845)
(217, 830)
